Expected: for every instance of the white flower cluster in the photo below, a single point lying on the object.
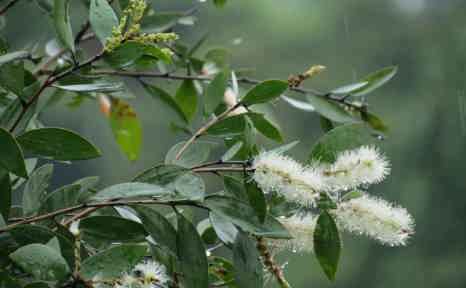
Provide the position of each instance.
(301, 184)
(148, 274)
(353, 168)
(375, 218)
(275, 172)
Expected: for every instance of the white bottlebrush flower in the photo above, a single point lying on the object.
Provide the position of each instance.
(127, 281)
(151, 274)
(377, 219)
(302, 231)
(352, 168)
(279, 173)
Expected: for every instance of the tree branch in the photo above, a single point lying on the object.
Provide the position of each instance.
(8, 6)
(268, 261)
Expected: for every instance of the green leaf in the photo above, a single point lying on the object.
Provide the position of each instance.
(220, 57)
(339, 139)
(157, 226)
(352, 195)
(256, 199)
(232, 151)
(6, 281)
(215, 92)
(42, 262)
(248, 267)
(166, 98)
(235, 188)
(265, 127)
(330, 110)
(129, 190)
(375, 80)
(125, 55)
(264, 92)
(35, 189)
(61, 19)
(179, 182)
(11, 155)
(326, 124)
(195, 154)
(54, 244)
(224, 229)
(62, 197)
(230, 126)
(111, 263)
(57, 144)
(29, 234)
(305, 106)
(284, 148)
(245, 217)
(374, 121)
(102, 19)
(327, 245)
(94, 87)
(160, 22)
(112, 228)
(5, 193)
(192, 256)
(348, 89)
(126, 128)
(207, 232)
(187, 98)
(17, 55)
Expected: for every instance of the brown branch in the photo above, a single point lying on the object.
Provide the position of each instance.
(268, 261)
(99, 205)
(8, 6)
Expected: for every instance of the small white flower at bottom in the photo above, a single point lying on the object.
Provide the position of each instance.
(377, 219)
(152, 274)
(302, 231)
(352, 168)
(279, 173)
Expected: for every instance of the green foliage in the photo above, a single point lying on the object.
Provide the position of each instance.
(81, 233)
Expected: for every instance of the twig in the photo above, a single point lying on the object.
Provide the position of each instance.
(268, 261)
(8, 6)
(99, 205)
(204, 128)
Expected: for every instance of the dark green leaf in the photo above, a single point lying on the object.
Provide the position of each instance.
(125, 55)
(54, 244)
(43, 262)
(195, 154)
(374, 121)
(29, 234)
(191, 253)
(62, 197)
(325, 202)
(207, 232)
(5, 193)
(35, 189)
(112, 262)
(326, 124)
(244, 216)
(129, 190)
(215, 92)
(165, 98)
(11, 155)
(180, 182)
(339, 139)
(348, 89)
(248, 267)
(327, 244)
(57, 144)
(6, 281)
(187, 98)
(256, 199)
(229, 126)
(126, 128)
(102, 19)
(330, 110)
(265, 127)
(157, 226)
(232, 151)
(112, 228)
(375, 80)
(61, 18)
(264, 92)
(235, 188)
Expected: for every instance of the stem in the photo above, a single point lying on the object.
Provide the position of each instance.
(204, 128)
(273, 268)
(48, 82)
(98, 205)
(222, 169)
(8, 6)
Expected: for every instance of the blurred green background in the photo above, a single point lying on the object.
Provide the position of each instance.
(423, 105)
